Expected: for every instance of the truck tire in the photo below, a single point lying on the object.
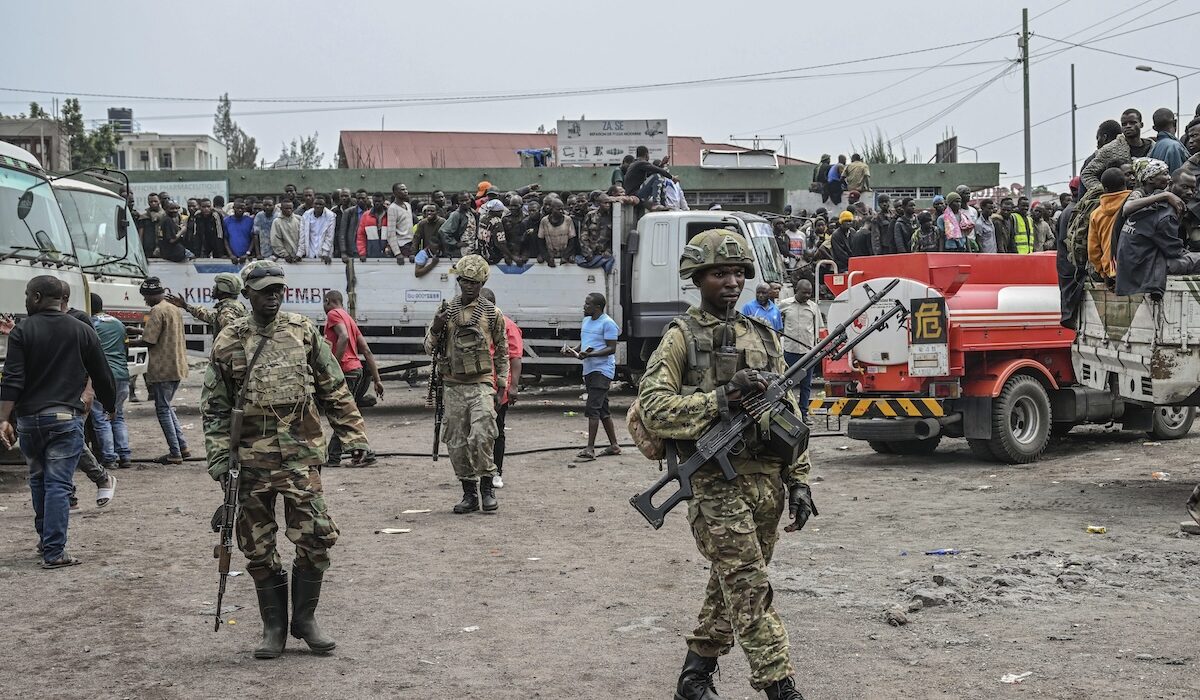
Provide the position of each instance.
(915, 447)
(1020, 421)
(883, 448)
(1172, 422)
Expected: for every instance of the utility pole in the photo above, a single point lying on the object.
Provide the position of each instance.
(1025, 81)
(1073, 161)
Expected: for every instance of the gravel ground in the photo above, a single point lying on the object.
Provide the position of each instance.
(567, 593)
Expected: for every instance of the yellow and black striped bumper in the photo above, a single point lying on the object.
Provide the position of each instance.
(879, 408)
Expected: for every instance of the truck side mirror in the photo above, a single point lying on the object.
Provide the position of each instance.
(122, 223)
(24, 205)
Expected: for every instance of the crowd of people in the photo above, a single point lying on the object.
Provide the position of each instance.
(512, 227)
(1133, 201)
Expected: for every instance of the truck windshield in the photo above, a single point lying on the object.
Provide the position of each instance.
(42, 233)
(766, 250)
(92, 222)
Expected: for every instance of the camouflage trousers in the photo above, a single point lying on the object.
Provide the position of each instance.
(735, 524)
(309, 525)
(469, 430)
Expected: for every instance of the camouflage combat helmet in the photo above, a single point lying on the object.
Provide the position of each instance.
(712, 248)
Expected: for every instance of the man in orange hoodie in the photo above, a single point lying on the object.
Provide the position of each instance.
(1100, 226)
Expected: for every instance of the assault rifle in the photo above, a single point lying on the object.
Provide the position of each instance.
(226, 515)
(725, 437)
(436, 397)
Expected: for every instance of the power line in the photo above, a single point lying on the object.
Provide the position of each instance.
(1116, 53)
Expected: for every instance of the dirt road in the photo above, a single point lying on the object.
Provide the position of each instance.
(567, 593)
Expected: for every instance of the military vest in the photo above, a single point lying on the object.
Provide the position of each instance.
(468, 348)
(707, 368)
(282, 376)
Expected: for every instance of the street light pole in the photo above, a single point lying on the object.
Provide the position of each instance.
(1178, 104)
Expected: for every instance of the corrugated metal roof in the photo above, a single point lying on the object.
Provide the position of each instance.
(469, 149)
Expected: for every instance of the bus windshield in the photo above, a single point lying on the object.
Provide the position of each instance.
(92, 222)
(43, 233)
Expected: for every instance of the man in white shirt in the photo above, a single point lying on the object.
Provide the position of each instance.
(801, 323)
(400, 223)
(316, 232)
(972, 213)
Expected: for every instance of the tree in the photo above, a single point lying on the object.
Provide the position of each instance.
(242, 149)
(36, 112)
(878, 149)
(302, 153)
(88, 148)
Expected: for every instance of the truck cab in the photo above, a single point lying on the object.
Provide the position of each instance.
(33, 235)
(98, 221)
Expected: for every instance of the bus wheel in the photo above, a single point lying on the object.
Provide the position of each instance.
(1172, 422)
(1020, 421)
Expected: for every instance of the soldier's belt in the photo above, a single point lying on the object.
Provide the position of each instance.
(879, 408)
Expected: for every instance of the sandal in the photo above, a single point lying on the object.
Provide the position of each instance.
(586, 455)
(63, 561)
(611, 451)
(104, 495)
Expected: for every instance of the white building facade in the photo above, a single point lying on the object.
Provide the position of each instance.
(150, 151)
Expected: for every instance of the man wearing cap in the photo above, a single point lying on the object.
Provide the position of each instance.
(466, 329)
(226, 288)
(689, 381)
(285, 370)
(166, 365)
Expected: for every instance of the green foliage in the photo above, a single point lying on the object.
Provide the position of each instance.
(242, 149)
(877, 149)
(36, 112)
(303, 153)
(96, 147)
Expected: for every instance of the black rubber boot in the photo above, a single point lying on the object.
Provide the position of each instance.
(272, 605)
(470, 501)
(306, 592)
(695, 681)
(487, 494)
(783, 690)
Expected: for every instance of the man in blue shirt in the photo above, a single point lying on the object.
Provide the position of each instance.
(597, 348)
(764, 308)
(1167, 148)
(239, 234)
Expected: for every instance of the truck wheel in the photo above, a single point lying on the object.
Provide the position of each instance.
(1020, 421)
(883, 448)
(915, 447)
(1172, 422)
(982, 449)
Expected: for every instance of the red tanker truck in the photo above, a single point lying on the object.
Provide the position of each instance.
(981, 355)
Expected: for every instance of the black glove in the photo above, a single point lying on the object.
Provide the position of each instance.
(800, 506)
(744, 383)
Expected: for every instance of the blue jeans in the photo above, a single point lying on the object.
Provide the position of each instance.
(112, 436)
(163, 393)
(804, 383)
(51, 444)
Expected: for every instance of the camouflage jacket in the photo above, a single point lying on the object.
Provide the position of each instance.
(597, 233)
(294, 375)
(225, 312)
(482, 236)
(672, 410)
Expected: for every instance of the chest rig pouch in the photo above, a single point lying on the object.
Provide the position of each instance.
(471, 350)
(282, 375)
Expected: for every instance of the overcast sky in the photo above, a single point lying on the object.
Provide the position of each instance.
(306, 50)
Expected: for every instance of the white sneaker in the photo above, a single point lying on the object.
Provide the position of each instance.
(498, 482)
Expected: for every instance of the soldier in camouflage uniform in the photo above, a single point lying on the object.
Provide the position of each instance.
(226, 288)
(694, 372)
(281, 447)
(470, 326)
